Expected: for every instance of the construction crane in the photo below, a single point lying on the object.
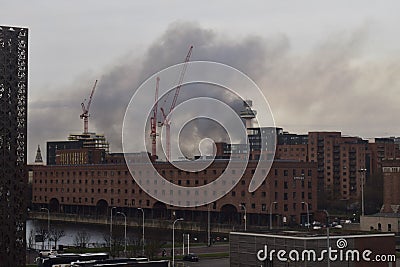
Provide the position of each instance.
(85, 110)
(153, 121)
(166, 117)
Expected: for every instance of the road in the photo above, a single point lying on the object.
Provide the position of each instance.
(218, 248)
(224, 262)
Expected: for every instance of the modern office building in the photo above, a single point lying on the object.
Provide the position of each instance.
(90, 141)
(13, 140)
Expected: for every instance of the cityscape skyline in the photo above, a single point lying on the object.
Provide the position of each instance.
(315, 65)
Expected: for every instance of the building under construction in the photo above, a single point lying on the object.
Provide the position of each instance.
(85, 148)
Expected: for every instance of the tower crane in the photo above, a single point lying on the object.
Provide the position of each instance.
(85, 110)
(166, 116)
(153, 121)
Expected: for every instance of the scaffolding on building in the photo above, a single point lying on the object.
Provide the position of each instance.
(91, 140)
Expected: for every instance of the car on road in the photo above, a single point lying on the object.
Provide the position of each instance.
(191, 257)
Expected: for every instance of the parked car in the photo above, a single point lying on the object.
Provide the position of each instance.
(190, 257)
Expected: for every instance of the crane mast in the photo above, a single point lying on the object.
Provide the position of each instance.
(178, 88)
(85, 110)
(167, 120)
(153, 121)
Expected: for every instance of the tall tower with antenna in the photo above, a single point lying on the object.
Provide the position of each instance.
(247, 113)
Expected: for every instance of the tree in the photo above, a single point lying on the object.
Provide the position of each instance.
(106, 238)
(82, 238)
(152, 247)
(135, 247)
(56, 235)
(31, 238)
(42, 235)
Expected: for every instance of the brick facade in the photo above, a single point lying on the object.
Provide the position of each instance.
(93, 189)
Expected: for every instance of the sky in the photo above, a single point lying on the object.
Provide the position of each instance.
(321, 65)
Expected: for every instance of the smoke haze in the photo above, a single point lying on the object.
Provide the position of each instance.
(333, 86)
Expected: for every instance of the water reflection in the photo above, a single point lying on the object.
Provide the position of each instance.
(98, 233)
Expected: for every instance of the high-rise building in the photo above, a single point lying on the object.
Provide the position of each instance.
(13, 140)
(292, 146)
(380, 150)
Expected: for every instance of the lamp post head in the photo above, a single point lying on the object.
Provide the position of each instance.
(180, 219)
(46, 209)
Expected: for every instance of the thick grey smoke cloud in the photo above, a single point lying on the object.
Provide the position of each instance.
(338, 85)
(333, 86)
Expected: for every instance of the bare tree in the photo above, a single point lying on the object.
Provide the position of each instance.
(31, 238)
(135, 247)
(43, 235)
(82, 238)
(152, 247)
(55, 235)
(106, 238)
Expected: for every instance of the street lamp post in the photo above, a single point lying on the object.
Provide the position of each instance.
(270, 214)
(308, 214)
(173, 240)
(209, 226)
(245, 216)
(142, 230)
(327, 236)
(48, 226)
(123, 214)
(362, 171)
(111, 223)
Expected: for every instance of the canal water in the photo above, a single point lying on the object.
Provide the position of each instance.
(98, 233)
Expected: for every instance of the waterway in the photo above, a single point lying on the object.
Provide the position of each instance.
(97, 233)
